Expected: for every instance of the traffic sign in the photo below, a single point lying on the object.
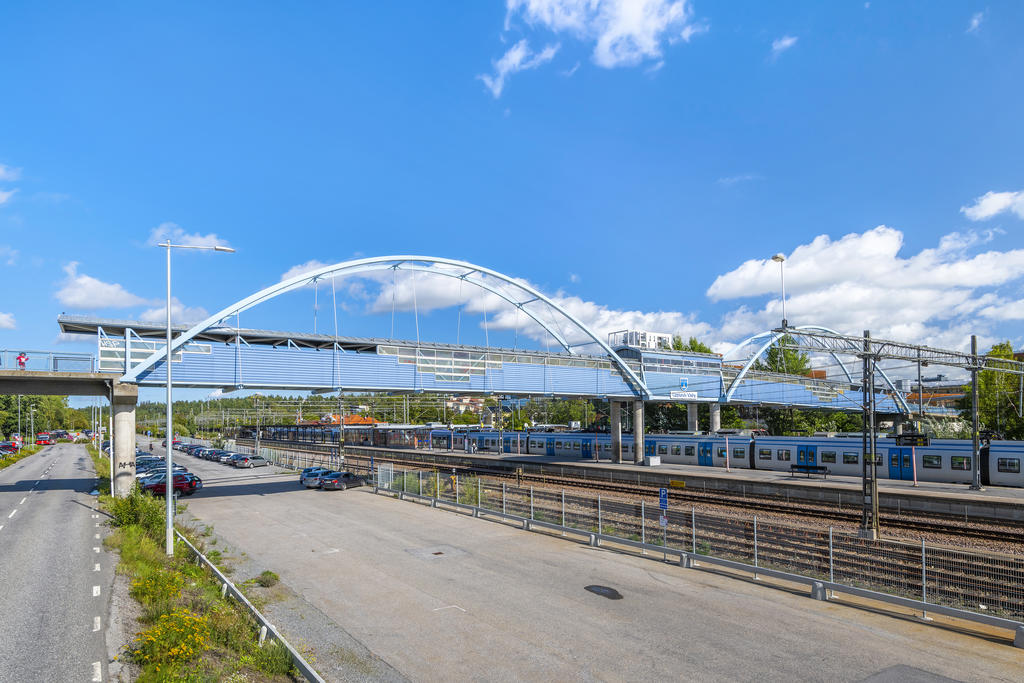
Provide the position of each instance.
(663, 499)
(663, 521)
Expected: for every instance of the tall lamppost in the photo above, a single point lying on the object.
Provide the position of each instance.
(169, 442)
(781, 260)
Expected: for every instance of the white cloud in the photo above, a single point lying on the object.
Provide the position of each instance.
(7, 321)
(569, 72)
(729, 181)
(9, 173)
(302, 268)
(179, 313)
(975, 23)
(518, 58)
(782, 44)
(8, 254)
(622, 32)
(6, 196)
(574, 278)
(994, 203)
(177, 235)
(86, 292)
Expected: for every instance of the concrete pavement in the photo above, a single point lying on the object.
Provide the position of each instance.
(441, 596)
(56, 577)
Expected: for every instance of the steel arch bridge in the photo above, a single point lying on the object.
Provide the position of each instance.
(524, 298)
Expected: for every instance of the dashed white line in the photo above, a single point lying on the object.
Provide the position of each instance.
(1, 526)
(97, 567)
(95, 624)
(23, 501)
(96, 550)
(97, 537)
(12, 513)
(95, 591)
(97, 672)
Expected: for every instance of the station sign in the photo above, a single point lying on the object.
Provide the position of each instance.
(913, 440)
(683, 395)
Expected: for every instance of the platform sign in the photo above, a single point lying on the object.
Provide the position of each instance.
(913, 440)
(663, 499)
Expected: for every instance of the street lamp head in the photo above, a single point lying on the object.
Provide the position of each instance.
(227, 249)
(779, 258)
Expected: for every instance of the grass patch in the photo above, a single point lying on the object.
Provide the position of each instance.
(191, 633)
(267, 579)
(25, 452)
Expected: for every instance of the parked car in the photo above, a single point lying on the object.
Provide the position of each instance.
(226, 458)
(310, 477)
(252, 461)
(185, 484)
(235, 457)
(339, 481)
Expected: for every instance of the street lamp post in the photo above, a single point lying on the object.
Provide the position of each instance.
(169, 435)
(781, 260)
(32, 419)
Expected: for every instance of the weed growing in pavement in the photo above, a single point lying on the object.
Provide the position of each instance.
(138, 509)
(267, 579)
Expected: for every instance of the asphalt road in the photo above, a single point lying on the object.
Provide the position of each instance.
(440, 596)
(54, 575)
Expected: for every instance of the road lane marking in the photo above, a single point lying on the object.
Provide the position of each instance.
(96, 550)
(97, 537)
(97, 672)
(438, 609)
(23, 501)
(95, 624)
(1, 526)
(97, 567)
(95, 591)
(12, 513)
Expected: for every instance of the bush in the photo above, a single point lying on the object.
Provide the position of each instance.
(159, 586)
(139, 509)
(176, 637)
(267, 579)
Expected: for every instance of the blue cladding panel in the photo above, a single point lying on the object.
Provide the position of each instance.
(309, 368)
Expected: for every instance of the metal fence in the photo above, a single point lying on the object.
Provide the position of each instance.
(48, 361)
(987, 588)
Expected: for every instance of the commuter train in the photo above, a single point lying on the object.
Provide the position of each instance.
(944, 460)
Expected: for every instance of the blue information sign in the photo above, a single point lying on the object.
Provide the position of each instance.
(663, 499)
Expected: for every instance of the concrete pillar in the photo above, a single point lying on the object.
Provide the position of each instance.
(638, 432)
(716, 417)
(616, 420)
(691, 417)
(125, 398)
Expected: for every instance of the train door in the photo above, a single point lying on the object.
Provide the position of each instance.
(649, 447)
(704, 451)
(585, 449)
(549, 446)
(900, 465)
(807, 455)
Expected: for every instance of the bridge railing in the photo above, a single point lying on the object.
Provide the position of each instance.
(47, 361)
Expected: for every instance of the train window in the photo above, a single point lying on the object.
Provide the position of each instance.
(783, 454)
(721, 452)
(689, 450)
(828, 456)
(575, 445)
(662, 449)
(606, 446)
(739, 452)
(1009, 465)
(932, 462)
(676, 450)
(558, 444)
(960, 462)
(764, 454)
(851, 458)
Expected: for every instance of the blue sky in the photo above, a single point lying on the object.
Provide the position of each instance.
(639, 160)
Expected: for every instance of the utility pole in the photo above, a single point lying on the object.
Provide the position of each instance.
(976, 455)
(869, 521)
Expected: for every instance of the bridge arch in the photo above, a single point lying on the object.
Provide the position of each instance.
(515, 292)
(765, 340)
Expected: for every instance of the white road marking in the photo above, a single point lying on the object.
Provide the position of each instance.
(97, 672)
(23, 501)
(95, 624)
(96, 550)
(97, 567)
(97, 525)
(95, 591)
(332, 550)
(1, 526)
(97, 537)
(12, 513)
(438, 609)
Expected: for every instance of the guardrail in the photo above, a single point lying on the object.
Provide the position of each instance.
(266, 628)
(47, 361)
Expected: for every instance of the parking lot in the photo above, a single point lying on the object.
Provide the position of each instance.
(441, 596)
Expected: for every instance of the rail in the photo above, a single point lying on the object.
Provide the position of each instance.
(47, 361)
(266, 628)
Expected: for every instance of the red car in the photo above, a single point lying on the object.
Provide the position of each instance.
(185, 484)
(45, 439)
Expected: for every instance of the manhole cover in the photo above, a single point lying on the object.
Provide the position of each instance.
(604, 592)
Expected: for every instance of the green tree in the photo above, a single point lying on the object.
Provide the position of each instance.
(998, 397)
(784, 360)
(692, 345)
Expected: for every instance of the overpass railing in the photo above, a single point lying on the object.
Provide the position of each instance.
(47, 361)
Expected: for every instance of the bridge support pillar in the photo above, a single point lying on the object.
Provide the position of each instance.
(716, 417)
(691, 417)
(638, 432)
(124, 400)
(616, 424)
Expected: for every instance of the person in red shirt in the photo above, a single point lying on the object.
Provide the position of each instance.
(22, 360)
